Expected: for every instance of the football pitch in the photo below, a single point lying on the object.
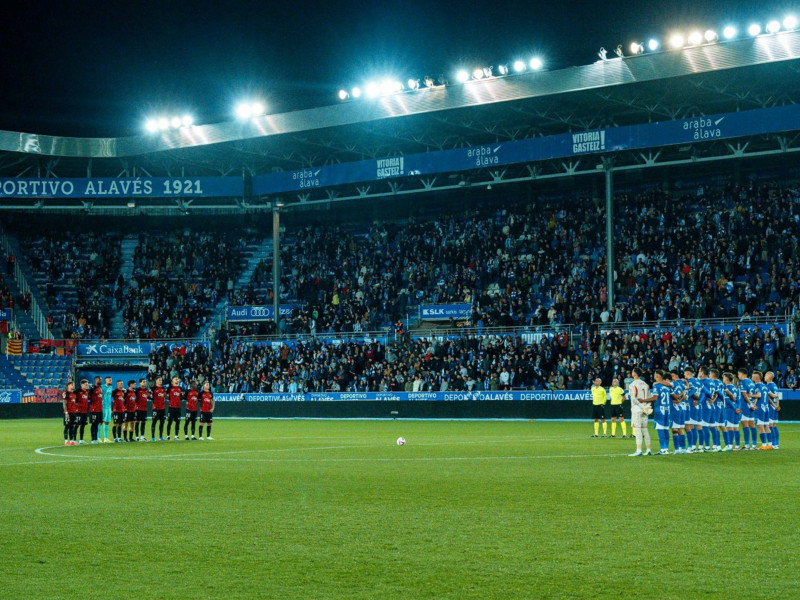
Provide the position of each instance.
(336, 509)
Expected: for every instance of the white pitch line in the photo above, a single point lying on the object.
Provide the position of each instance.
(407, 459)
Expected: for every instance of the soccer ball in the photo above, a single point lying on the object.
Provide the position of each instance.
(401, 441)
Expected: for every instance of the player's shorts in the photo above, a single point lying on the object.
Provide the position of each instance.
(694, 415)
(677, 417)
(96, 418)
(732, 418)
(83, 418)
(719, 416)
(191, 415)
(119, 418)
(638, 419)
(206, 417)
(616, 410)
(707, 415)
(773, 415)
(748, 414)
(158, 414)
(106, 415)
(74, 419)
(661, 420)
(66, 420)
(762, 416)
(130, 416)
(598, 411)
(141, 415)
(174, 414)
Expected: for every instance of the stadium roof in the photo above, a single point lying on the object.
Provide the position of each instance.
(712, 78)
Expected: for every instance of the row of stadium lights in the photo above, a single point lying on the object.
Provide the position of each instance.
(255, 108)
(244, 111)
(676, 41)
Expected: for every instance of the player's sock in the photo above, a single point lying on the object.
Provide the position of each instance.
(596, 427)
(676, 440)
(624, 429)
(613, 428)
(746, 431)
(66, 432)
(161, 428)
(684, 447)
(763, 438)
(193, 427)
(200, 430)
(663, 439)
(753, 436)
(776, 438)
(605, 427)
(737, 437)
(208, 430)
(726, 437)
(715, 435)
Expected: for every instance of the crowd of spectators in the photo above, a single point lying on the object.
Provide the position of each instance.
(729, 252)
(177, 280)
(477, 362)
(86, 264)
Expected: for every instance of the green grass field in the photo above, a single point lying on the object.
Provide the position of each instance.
(320, 509)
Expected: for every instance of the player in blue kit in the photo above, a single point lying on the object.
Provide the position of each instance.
(717, 409)
(774, 407)
(693, 426)
(678, 413)
(747, 404)
(706, 403)
(732, 413)
(662, 403)
(762, 411)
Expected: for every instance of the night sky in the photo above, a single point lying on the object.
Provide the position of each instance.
(100, 68)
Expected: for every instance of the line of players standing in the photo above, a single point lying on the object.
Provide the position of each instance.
(701, 410)
(127, 410)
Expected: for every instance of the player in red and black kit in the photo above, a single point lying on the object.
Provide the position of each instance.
(130, 412)
(206, 410)
(159, 398)
(96, 409)
(174, 394)
(142, 395)
(118, 411)
(70, 414)
(82, 402)
(191, 410)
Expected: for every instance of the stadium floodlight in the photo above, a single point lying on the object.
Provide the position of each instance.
(373, 90)
(478, 74)
(163, 123)
(710, 35)
(487, 71)
(637, 48)
(151, 125)
(535, 63)
(356, 92)
(429, 81)
(413, 84)
(729, 32)
(343, 94)
(695, 38)
(602, 53)
(462, 76)
(652, 45)
(790, 22)
(754, 29)
(502, 69)
(187, 120)
(519, 66)
(676, 41)
(248, 110)
(175, 122)
(618, 51)
(773, 27)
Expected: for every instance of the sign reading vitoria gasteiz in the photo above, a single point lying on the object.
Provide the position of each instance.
(136, 187)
